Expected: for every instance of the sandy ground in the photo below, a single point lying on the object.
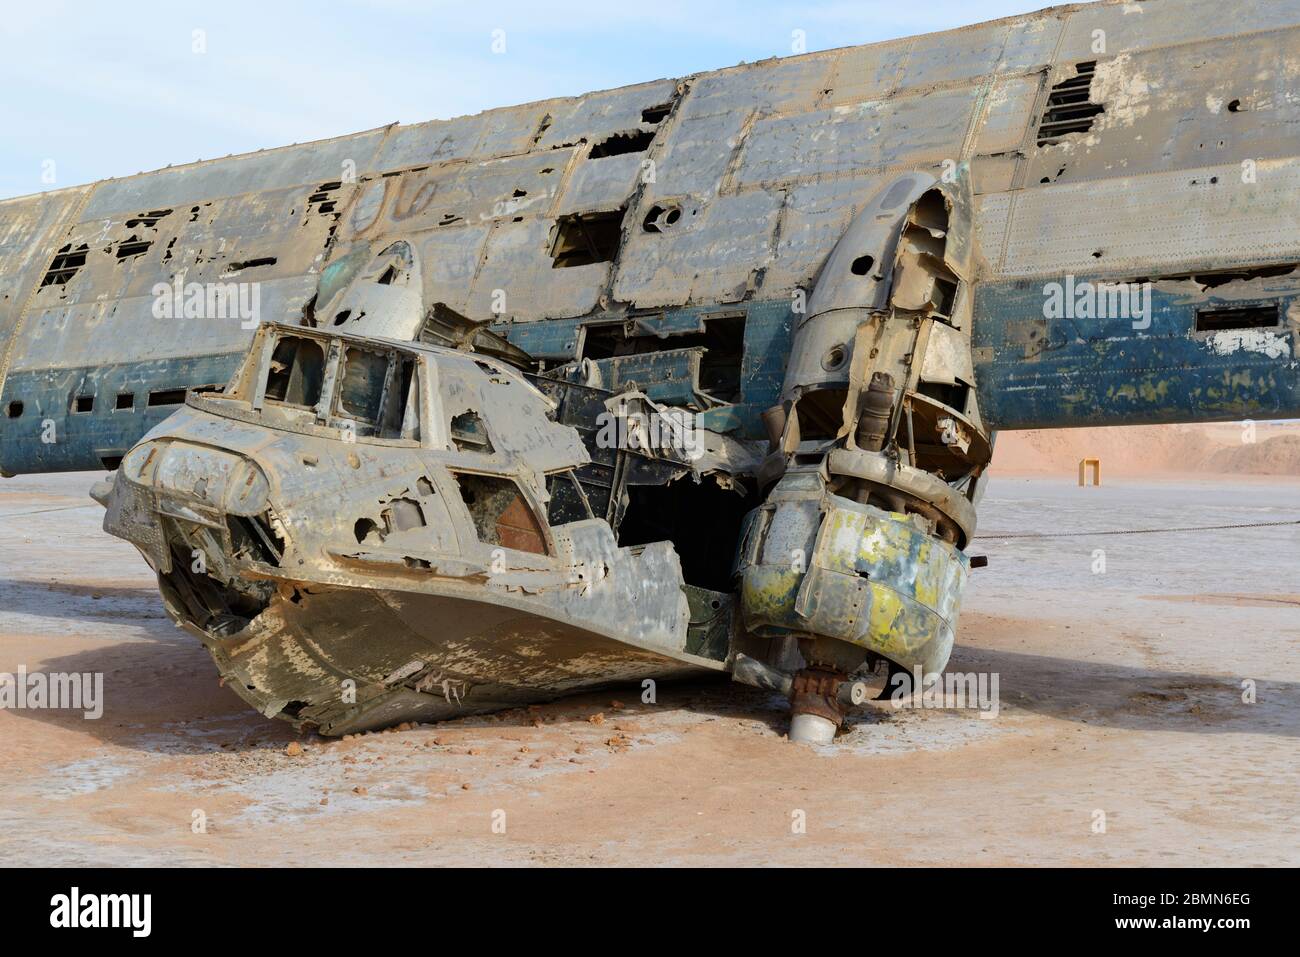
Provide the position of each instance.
(1121, 693)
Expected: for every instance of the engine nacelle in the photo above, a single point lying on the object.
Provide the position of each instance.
(878, 456)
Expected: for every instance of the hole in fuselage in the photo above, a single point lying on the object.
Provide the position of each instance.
(586, 238)
(1238, 317)
(621, 143)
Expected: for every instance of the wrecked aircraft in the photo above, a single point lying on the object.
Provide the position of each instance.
(695, 376)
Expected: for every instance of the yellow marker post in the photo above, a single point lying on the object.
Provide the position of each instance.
(1084, 465)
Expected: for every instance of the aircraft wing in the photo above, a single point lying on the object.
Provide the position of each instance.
(666, 232)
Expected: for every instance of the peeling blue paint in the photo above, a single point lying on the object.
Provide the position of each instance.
(84, 440)
(1037, 373)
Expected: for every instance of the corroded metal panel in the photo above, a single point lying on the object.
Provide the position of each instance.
(812, 221)
(322, 161)
(1141, 24)
(517, 272)
(597, 116)
(855, 138)
(1163, 223)
(130, 331)
(27, 227)
(715, 255)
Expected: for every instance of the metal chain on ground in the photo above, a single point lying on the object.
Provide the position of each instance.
(42, 511)
(1137, 531)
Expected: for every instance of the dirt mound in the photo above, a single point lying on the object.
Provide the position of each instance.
(1140, 450)
(1276, 456)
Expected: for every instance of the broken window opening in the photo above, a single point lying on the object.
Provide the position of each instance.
(821, 414)
(1069, 107)
(622, 143)
(367, 532)
(167, 397)
(297, 372)
(125, 402)
(83, 404)
(148, 219)
(656, 114)
(1220, 319)
(133, 247)
(568, 501)
(65, 265)
(500, 513)
(582, 239)
(951, 394)
(322, 200)
(251, 264)
(375, 390)
(399, 401)
(403, 515)
(361, 391)
(702, 521)
(469, 433)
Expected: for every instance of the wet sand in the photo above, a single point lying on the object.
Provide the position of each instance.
(1121, 694)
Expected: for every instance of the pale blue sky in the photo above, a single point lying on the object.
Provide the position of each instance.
(110, 89)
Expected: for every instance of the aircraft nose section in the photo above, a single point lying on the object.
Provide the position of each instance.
(169, 492)
(198, 475)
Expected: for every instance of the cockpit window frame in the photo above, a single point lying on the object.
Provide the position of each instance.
(386, 427)
(250, 383)
(264, 379)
